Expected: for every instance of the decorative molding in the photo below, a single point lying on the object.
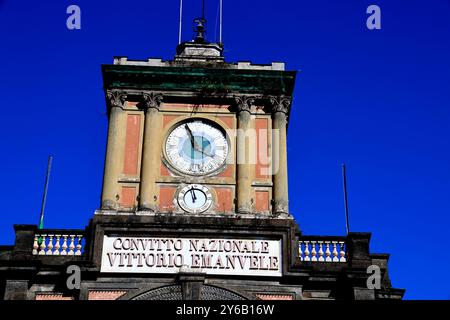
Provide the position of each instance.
(244, 103)
(52, 296)
(152, 100)
(274, 297)
(105, 294)
(280, 104)
(116, 98)
(215, 293)
(172, 292)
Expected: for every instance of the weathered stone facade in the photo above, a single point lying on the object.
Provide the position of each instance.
(28, 276)
(141, 199)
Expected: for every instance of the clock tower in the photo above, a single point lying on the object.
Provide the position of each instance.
(196, 135)
(194, 203)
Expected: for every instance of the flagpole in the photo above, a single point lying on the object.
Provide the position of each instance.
(44, 198)
(180, 24)
(344, 181)
(220, 20)
(203, 9)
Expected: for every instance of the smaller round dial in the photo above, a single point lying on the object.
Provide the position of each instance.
(195, 198)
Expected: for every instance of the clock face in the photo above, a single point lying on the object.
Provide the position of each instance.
(196, 148)
(195, 198)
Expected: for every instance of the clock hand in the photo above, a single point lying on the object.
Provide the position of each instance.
(206, 153)
(201, 150)
(191, 136)
(193, 194)
(194, 143)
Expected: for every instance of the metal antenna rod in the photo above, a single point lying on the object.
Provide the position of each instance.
(181, 18)
(44, 199)
(221, 21)
(344, 180)
(203, 9)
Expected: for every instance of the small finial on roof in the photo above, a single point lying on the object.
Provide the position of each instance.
(200, 30)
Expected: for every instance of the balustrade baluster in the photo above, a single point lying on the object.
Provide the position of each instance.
(321, 251)
(78, 247)
(327, 252)
(57, 245)
(313, 251)
(334, 252)
(50, 245)
(300, 250)
(307, 258)
(43, 244)
(71, 245)
(64, 246)
(35, 245)
(342, 252)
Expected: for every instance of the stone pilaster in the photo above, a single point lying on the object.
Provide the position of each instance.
(280, 107)
(151, 160)
(191, 285)
(244, 157)
(114, 151)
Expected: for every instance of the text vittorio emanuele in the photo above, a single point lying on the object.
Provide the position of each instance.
(134, 253)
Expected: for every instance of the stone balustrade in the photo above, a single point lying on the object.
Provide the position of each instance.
(71, 243)
(316, 249)
(58, 244)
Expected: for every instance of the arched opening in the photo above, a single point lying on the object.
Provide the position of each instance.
(174, 292)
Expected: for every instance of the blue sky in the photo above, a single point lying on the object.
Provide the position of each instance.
(377, 100)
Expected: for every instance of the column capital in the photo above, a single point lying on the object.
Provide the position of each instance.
(280, 104)
(116, 98)
(152, 100)
(244, 103)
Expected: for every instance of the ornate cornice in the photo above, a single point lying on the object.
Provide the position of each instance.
(244, 103)
(280, 104)
(152, 100)
(116, 98)
(184, 78)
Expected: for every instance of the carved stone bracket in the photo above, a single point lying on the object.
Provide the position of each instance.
(116, 98)
(244, 103)
(152, 100)
(280, 104)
